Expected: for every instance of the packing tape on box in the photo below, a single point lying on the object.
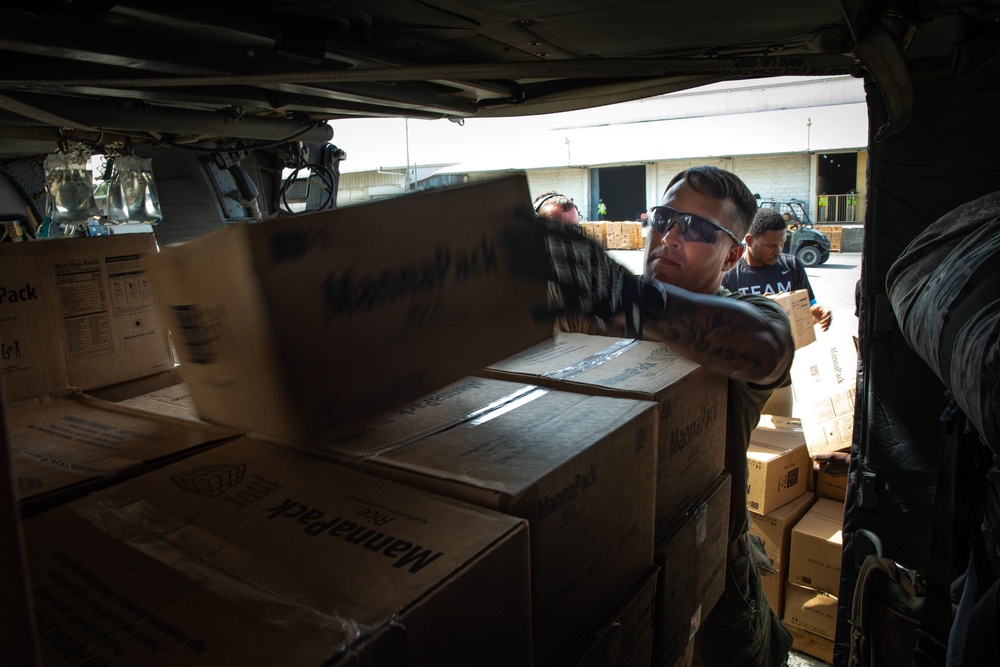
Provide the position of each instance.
(181, 546)
(488, 412)
(493, 412)
(594, 360)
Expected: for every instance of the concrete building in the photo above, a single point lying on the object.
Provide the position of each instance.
(787, 138)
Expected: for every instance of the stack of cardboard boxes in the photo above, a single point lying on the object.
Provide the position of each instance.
(354, 467)
(615, 235)
(691, 489)
(814, 573)
(797, 513)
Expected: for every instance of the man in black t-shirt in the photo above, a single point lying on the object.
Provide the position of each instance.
(765, 269)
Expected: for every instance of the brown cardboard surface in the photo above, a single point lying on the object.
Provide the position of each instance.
(796, 304)
(172, 401)
(806, 642)
(830, 487)
(318, 320)
(626, 638)
(17, 628)
(61, 447)
(579, 468)
(123, 391)
(250, 554)
(815, 555)
(824, 379)
(692, 563)
(775, 533)
(78, 314)
(775, 529)
(778, 464)
(691, 451)
(458, 403)
(811, 610)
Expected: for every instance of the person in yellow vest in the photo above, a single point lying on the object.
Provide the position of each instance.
(852, 205)
(821, 207)
(602, 209)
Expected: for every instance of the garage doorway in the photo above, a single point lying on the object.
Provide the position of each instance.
(623, 190)
(837, 198)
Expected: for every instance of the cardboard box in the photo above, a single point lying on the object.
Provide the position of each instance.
(250, 554)
(62, 447)
(806, 642)
(833, 232)
(796, 304)
(692, 432)
(811, 610)
(322, 319)
(775, 529)
(778, 464)
(124, 391)
(824, 379)
(596, 231)
(830, 487)
(815, 555)
(692, 563)
(579, 468)
(78, 314)
(775, 533)
(172, 401)
(626, 639)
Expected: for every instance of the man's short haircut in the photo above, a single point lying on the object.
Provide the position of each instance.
(767, 220)
(721, 184)
(555, 200)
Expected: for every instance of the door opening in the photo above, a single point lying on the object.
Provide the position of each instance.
(837, 188)
(623, 190)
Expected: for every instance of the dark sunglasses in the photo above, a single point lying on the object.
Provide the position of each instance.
(693, 227)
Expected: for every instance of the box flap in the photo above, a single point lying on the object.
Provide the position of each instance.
(62, 446)
(641, 369)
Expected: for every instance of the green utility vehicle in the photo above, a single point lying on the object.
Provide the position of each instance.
(810, 245)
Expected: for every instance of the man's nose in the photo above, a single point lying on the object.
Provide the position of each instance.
(672, 236)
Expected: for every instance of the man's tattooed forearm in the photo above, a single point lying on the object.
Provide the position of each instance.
(710, 334)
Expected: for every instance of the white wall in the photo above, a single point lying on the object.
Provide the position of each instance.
(770, 176)
(775, 177)
(570, 182)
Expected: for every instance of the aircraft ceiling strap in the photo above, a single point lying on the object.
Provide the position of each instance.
(881, 57)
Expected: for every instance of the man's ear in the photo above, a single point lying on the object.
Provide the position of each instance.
(734, 256)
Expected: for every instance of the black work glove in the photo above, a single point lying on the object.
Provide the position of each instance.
(585, 280)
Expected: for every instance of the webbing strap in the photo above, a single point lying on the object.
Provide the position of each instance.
(883, 60)
(935, 624)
